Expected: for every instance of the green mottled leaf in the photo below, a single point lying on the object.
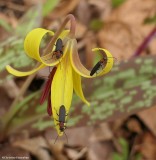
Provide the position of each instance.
(129, 87)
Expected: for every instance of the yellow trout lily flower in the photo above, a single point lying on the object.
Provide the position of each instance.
(69, 69)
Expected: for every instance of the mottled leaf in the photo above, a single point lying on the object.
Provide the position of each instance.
(129, 88)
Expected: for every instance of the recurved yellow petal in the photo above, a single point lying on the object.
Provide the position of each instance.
(78, 66)
(110, 61)
(32, 46)
(75, 61)
(33, 40)
(78, 87)
(21, 74)
(62, 89)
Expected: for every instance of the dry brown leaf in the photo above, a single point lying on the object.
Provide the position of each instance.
(80, 30)
(115, 125)
(34, 146)
(79, 136)
(18, 136)
(120, 39)
(74, 155)
(101, 133)
(104, 7)
(11, 19)
(57, 150)
(134, 126)
(100, 151)
(152, 46)
(147, 148)
(83, 12)
(134, 12)
(51, 136)
(63, 8)
(90, 44)
(5, 102)
(8, 151)
(11, 88)
(124, 30)
(71, 153)
(149, 118)
(81, 154)
(4, 17)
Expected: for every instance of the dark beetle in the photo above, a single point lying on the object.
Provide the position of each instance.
(62, 120)
(59, 49)
(99, 64)
(62, 116)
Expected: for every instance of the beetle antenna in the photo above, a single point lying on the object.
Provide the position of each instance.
(114, 58)
(111, 57)
(66, 136)
(56, 139)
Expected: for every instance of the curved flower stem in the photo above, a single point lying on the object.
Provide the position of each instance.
(12, 111)
(70, 18)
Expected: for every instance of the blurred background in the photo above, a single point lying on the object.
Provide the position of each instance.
(121, 122)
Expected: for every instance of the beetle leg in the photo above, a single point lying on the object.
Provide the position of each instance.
(56, 111)
(57, 124)
(56, 120)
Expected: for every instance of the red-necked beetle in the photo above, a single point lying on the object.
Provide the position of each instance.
(58, 52)
(101, 64)
(98, 66)
(62, 120)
